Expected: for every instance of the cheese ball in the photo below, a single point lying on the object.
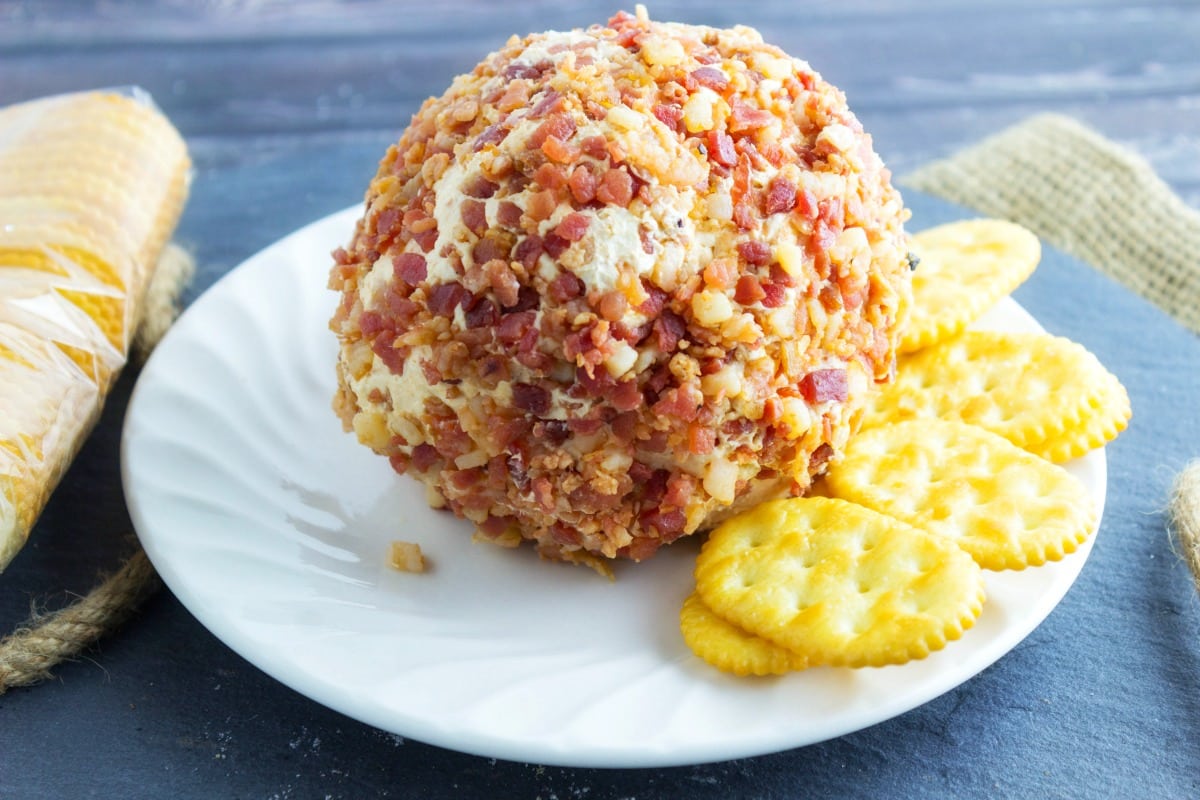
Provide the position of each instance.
(619, 283)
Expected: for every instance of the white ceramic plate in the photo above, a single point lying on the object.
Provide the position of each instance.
(272, 526)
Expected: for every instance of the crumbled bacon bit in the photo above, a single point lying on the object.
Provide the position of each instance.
(806, 204)
(773, 294)
(555, 245)
(781, 196)
(409, 268)
(503, 282)
(424, 456)
(613, 306)
(559, 151)
(561, 126)
(656, 299)
(482, 315)
(627, 396)
(565, 287)
(595, 146)
(585, 427)
(426, 239)
(616, 188)
(745, 117)
(754, 252)
(748, 290)
(508, 215)
(532, 398)
(474, 216)
(820, 457)
(480, 188)
(551, 101)
(550, 176)
(527, 298)
(493, 134)
(528, 250)
(513, 327)
(711, 77)
(388, 223)
(554, 431)
(583, 184)
(680, 488)
(518, 69)
(541, 205)
(565, 535)
(669, 114)
(670, 329)
(701, 439)
(682, 402)
(721, 149)
(487, 248)
(744, 216)
(445, 297)
(573, 226)
(823, 385)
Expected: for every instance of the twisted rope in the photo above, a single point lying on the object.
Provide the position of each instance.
(29, 653)
(1184, 513)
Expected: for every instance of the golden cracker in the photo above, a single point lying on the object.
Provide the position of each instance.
(966, 267)
(837, 583)
(1026, 387)
(1108, 416)
(1006, 507)
(728, 647)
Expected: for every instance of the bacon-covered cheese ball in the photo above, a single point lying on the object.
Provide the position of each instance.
(618, 283)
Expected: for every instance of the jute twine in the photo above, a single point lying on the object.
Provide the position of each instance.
(29, 654)
(1184, 515)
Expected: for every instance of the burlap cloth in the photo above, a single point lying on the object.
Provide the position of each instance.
(1078, 191)
(1086, 196)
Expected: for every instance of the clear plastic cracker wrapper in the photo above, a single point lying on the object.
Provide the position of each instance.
(91, 187)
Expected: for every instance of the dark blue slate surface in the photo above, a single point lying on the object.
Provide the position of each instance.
(1101, 700)
(286, 108)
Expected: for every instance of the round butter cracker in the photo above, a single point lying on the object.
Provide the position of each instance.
(837, 583)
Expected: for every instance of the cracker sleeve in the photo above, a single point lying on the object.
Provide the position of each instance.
(91, 188)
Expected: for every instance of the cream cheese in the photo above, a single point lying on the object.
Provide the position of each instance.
(447, 211)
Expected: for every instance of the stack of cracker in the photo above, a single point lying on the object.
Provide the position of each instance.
(955, 471)
(91, 187)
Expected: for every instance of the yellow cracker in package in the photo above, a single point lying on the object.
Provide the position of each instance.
(1005, 506)
(91, 188)
(729, 648)
(839, 584)
(1027, 387)
(966, 267)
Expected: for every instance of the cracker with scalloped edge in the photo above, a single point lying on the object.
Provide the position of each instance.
(1006, 507)
(729, 648)
(1108, 416)
(837, 583)
(966, 267)
(1026, 387)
